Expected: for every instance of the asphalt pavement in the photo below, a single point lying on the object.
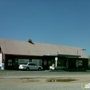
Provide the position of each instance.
(12, 80)
(46, 73)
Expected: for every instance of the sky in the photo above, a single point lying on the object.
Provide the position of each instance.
(61, 22)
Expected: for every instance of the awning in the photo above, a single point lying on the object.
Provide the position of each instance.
(59, 55)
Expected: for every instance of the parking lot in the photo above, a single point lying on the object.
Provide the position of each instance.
(46, 73)
(37, 80)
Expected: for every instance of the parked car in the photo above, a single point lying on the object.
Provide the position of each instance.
(30, 66)
(57, 68)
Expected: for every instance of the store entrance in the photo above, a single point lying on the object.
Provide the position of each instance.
(10, 64)
(47, 63)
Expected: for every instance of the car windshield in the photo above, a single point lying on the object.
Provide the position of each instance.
(32, 64)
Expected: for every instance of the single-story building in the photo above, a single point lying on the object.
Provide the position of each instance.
(13, 53)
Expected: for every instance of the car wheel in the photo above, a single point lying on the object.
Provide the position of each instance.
(27, 69)
(39, 68)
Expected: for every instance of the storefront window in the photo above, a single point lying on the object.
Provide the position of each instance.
(9, 62)
(80, 62)
(60, 62)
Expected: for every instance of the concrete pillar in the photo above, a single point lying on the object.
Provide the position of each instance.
(56, 60)
(67, 63)
(77, 63)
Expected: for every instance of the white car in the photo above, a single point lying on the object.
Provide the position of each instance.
(30, 66)
(57, 68)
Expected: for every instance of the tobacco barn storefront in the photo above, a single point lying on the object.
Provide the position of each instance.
(13, 53)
